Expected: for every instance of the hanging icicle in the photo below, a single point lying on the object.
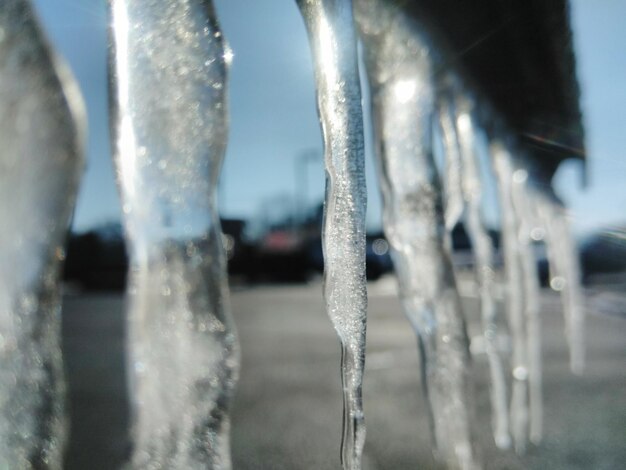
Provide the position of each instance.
(169, 122)
(564, 271)
(454, 203)
(523, 210)
(522, 296)
(400, 65)
(333, 43)
(514, 295)
(464, 130)
(42, 135)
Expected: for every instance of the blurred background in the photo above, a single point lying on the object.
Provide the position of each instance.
(270, 200)
(272, 183)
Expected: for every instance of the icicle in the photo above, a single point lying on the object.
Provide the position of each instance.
(399, 61)
(483, 253)
(523, 209)
(42, 136)
(515, 294)
(169, 123)
(453, 189)
(332, 38)
(564, 272)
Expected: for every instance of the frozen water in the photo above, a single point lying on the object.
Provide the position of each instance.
(564, 271)
(523, 210)
(523, 296)
(333, 43)
(183, 356)
(400, 65)
(452, 185)
(472, 186)
(530, 213)
(169, 72)
(169, 122)
(41, 131)
(514, 296)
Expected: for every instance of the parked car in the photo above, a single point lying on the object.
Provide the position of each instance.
(603, 253)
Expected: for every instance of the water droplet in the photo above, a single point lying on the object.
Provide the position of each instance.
(537, 233)
(520, 373)
(520, 176)
(380, 247)
(405, 90)
(557, 283)
(228, 56)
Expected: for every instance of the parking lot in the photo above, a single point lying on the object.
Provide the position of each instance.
(287, 412)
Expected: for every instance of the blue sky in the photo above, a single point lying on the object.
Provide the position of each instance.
(274, 121)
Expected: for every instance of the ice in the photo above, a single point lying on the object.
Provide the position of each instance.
(41, 159)
(453, 187)
(523, 210)
(514, 295)
(331, 34)
(472, 187)
(531, 212)
(522, 297)
(169, 126)
(169, 66)
(401, 63)
(564, 271)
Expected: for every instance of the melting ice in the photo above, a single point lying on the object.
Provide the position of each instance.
(169, 106)
(400, 66)
(564, 270)
(168, 80)
(459, 133)
(41, 130)
(169, 77)
(332, 38)
(414, 86)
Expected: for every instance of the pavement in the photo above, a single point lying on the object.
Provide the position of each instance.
(287, 411)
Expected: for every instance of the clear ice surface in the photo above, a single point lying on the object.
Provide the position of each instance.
(515, 295)
(41, 159)
(454, 203)
(333, 43)
(472, 188)
(523, 210)
(564, 271)
(169, 125)
(401, 67)
(530, 213)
